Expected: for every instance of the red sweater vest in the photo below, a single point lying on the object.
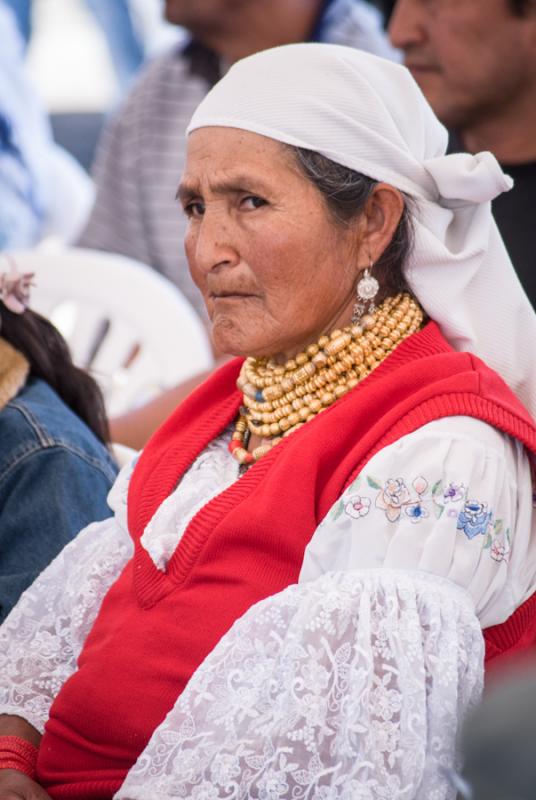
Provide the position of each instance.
(155, 628)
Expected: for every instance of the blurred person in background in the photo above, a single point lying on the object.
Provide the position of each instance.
(476, 63)
(43, 191)
(116, 21)
(142, 154)
(55, 469)
(499, 739)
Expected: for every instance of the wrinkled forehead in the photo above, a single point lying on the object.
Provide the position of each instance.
(229, 159)
(356, 109)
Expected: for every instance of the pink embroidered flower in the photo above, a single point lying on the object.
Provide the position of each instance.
(357, 506)
(393, 496)
(500, 550)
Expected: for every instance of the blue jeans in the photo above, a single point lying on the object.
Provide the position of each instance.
(54, 479)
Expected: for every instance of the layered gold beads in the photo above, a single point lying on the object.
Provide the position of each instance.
(278, 399)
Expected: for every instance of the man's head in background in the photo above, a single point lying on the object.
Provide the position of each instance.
(475, 61)
(235, 28)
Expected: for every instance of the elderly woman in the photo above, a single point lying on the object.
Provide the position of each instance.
(290, 600)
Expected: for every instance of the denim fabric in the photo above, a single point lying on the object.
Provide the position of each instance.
(54, 479)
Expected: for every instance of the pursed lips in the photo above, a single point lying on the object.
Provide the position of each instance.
(230, 295)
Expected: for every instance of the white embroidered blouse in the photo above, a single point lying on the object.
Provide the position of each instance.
(353, 682)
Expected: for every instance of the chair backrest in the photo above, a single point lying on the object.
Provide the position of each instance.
(124, 322)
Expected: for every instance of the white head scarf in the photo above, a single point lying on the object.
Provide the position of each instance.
(369, 114)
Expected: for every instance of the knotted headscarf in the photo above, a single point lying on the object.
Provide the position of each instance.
(369, 114)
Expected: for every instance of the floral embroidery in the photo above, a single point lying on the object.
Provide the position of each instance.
(500, 551)
(419, 500)
(357, 506)
(454, 492)
(392, 498)
(416, 512)
(395, 497)
(474, 519)
(498, 542)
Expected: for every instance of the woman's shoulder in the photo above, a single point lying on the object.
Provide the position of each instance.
(37, 419)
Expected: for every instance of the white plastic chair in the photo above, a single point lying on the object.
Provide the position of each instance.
(127, 324)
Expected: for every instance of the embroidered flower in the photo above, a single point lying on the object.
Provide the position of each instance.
(272, 785)
(315, 677)
(205, 791)
(386, 702)
(357, 506)
(393, 496)
(224, 768)
(474, 519)
(500, 550)
(416, 512)
(454, 492)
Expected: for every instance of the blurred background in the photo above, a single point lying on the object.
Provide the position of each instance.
(69, 60)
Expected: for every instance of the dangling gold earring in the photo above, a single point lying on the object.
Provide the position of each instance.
(366, 290)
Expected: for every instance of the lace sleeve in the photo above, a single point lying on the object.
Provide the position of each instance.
(351, 687)
(43, 635)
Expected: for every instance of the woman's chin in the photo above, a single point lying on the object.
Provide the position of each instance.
(228, 337)
(232, 339)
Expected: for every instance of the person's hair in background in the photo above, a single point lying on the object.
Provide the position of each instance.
(520, 7)
(55, 467)
(345, 193)
(49, 359)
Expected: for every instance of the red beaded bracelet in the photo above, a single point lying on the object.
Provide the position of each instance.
(17, 753)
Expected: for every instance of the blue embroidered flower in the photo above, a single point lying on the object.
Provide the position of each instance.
(474, 519)
(416, 512)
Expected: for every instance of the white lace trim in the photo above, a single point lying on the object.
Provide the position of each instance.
(211, 473)
(351, 687)
(42, 637)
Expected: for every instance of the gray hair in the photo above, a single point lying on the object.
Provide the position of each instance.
(345, 193)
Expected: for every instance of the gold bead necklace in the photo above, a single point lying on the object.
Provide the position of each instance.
(279, 398)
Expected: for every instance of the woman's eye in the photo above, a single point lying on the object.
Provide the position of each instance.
(252, 201)
(194, 209)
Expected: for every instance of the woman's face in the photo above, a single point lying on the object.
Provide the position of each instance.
(275, 270)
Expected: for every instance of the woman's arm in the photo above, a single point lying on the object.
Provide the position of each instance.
(350, 686)
(454, 499)
(43, 635)
(11, 725)
(15, 784)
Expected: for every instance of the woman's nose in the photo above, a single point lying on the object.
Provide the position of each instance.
(214, 245)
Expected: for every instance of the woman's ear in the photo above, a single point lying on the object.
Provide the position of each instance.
(379, 222)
